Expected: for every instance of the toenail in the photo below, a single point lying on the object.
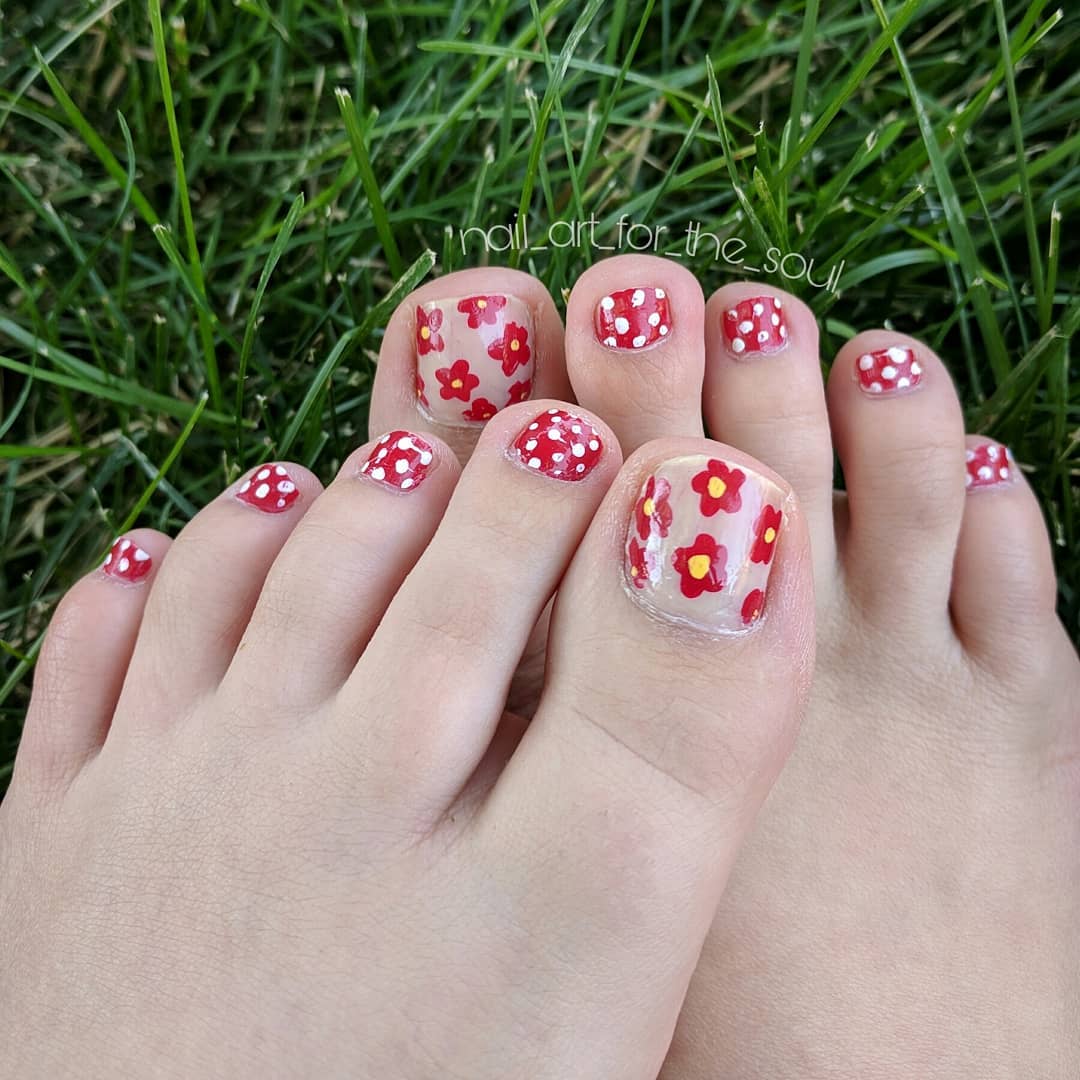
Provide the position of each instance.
(559, 444)
(988, 465)
(474, 356)
(399, 460)
(269, 488)
(127, 561)
(888, 371)
(701, 540)
(633, 318)
(756, 326)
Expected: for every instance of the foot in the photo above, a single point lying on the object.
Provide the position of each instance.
(269, 816)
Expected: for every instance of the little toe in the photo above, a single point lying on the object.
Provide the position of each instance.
(634, 348)
(899, 432)
(84, 660)
(205, 591)
(340, 568)
(679, 662)
(765, 394)
(463, 347)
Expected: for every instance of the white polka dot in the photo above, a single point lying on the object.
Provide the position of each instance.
(776, 302)
(763, 336)
(639, 341)
(530, 445)
(279, 470)
(638, 298)
(401, 466)
(610, 341)
(576, 429)
(663, 331)
(558, 457)
(992, 453)
(594, 444)
(140, 555)
(916, 368)
(607, 303)
(898, 355)
(733, 314)
(425, 457)
(985, 472)
(281, 502)
(263, 474)
(875, 388)
(406, 444)
(385, 439)
(580, 468)
(577, 450)
(903, 382)
(654, 319)
(555, 434)
(775, 319)
(262, 491)
(738, 345)
(534, 463)
(378, 474)
(381, 454)
(124, 545)
(660, 294)
(365, 466)
(407, 483)
(745, 326)
(533, 427)
(1003, 473)
(123, 565)
(286, 487)
(866, 362)
(969, 455)
(783, 331)
(553, 412)
(108, 559)
(888, 373)
(759, 309)
(622, 324)
(244, 486)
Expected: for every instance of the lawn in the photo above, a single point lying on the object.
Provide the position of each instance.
(208, 211)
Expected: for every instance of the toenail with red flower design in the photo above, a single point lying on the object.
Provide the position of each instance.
(888, 371)
(559, 444)
(474, 356)
(701, 541)
(755, 326)
(127, 561)
(269, 488)
(633, 318)
(400, 460)
(988, 465)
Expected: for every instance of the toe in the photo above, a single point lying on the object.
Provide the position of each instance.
(206, 589)
(463, 347)
(84, 659)
(679, 662)
(340, 568)
(461, 620)
(764, 394)
(899, 433)
(634, 347)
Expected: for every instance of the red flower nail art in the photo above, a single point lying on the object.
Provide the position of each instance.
(636, 565)
(885, 371)
(512, 349)
(428, 338)
(560, 445)
(480, 410)
(701, 566)
(421, 396)
(988, 464)
(520, 391)
(653, 511)
(756, 326)
(457, 381)
(766, 530)
(481, 310)
(718, 485)
(270, 489)
(751, 607)
(633, 318)
(127, 561)
(400, 460)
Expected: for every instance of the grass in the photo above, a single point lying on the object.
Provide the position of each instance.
(210, 209)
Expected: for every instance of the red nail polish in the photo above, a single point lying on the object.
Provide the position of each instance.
(886, 371)
(756, 326)
(560, 445)
(270, 489)
(127, 561)
(399, 460)
(988, 464)
(633, 318)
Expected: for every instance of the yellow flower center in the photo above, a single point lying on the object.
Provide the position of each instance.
(634, 571)
(699, 566)
(647, 507)
(481, 304)
(717, 487)
(425, 333)
(770, 535)
(457, 384)
(515, 345)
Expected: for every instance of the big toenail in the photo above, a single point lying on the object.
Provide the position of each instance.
(988, 465)
(701, 540)
(269, 488)
(559, 444)
(127, 561)
(633, 318)
(474, 356)
(399, 460)
(756, 326)
(888, 371)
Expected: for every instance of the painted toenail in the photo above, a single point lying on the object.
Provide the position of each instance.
(756, 326)
(474, 356)
(559, 444)
(127, 561)
(888, 371)
(400, 460)
(701, 542)
(269, 488)
(633, 318)
(988, 465)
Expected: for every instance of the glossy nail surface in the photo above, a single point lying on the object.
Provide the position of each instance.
(474, 356)
(633, 318)
(399, 460)
(988, 465)
(755, 326)
(269, 488)
(559, 444)
(701, 541)
(888, 371)
(127, 561)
